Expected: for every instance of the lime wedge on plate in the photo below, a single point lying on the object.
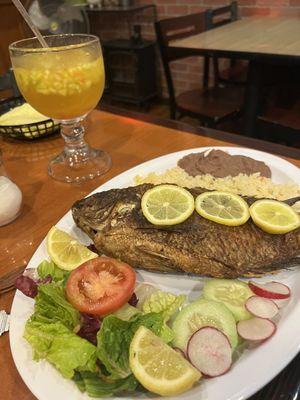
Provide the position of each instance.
(223, 208)
(167, 205)
(274, 216)
(66, 251)
(158, 367)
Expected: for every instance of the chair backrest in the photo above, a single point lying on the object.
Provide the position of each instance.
(172, 29)
(221, 16)
(8, 82)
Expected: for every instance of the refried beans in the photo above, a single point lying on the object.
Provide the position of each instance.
(220, 164)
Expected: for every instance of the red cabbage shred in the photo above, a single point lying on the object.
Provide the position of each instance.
(133, 300)
(90, 325)
(27, 286)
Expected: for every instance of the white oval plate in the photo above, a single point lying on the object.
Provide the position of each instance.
(254, 369)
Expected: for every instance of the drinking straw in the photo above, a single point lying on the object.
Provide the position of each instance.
(31, 25)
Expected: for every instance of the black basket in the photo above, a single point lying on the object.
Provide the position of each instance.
(28, 131)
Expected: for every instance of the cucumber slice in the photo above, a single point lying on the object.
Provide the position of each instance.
(202, 313)
(231, 292)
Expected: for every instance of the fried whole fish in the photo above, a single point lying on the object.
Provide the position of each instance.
(115, 222)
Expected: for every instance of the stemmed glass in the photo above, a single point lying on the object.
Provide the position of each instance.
(64, 81)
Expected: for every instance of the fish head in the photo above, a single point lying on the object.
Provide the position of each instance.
(105, 210)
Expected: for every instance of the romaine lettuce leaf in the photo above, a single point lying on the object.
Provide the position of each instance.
(126, 312)
(164, 302)
(52, 306)
(46, 268)
(41, 335)
(142, 292)
(114, 340)
(61, 347)
(69, 352)
(167, 304)
(78, 379)
(97, 386)
(166, 334)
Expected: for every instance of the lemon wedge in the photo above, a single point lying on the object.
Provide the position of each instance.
(223, 208)
(158, 367)
(274, 216)
(167, 205)
(66, 251)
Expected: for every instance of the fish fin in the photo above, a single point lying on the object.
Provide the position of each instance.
(165, 264)
(152, 253)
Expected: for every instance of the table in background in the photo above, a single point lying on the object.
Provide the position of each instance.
(260, 40)
(130, 142)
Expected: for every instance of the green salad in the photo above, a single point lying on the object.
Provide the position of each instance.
(111, 335)
(101, 369)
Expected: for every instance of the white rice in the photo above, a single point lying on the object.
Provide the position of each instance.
(252, 186)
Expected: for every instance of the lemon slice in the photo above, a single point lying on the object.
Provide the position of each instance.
(158, 367)
(167, 205)
(274, 216)
(66, 251)
(223, 208)
(296, 207)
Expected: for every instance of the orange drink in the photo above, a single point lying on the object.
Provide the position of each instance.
(61, 85)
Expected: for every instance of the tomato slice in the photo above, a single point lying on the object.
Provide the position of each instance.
(100, 286)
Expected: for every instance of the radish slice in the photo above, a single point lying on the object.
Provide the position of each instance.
(271, 290)
(256, 329)
(261, 307)
(278, 287)
(209, 350)
(281, 302)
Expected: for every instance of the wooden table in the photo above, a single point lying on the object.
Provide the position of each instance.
(130, 142)
(261, 40)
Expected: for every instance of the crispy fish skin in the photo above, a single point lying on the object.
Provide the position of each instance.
(115, 223)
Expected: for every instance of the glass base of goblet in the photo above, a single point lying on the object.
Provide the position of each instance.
(79, 166)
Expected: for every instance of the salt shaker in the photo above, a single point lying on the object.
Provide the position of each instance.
(10, 197)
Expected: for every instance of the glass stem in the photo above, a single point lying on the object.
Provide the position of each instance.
(76, 149)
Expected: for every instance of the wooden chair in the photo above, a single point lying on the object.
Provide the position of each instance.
(8, 83)
(237, 72)
(210, 106)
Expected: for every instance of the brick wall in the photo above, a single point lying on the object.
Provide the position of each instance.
(187, 73)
